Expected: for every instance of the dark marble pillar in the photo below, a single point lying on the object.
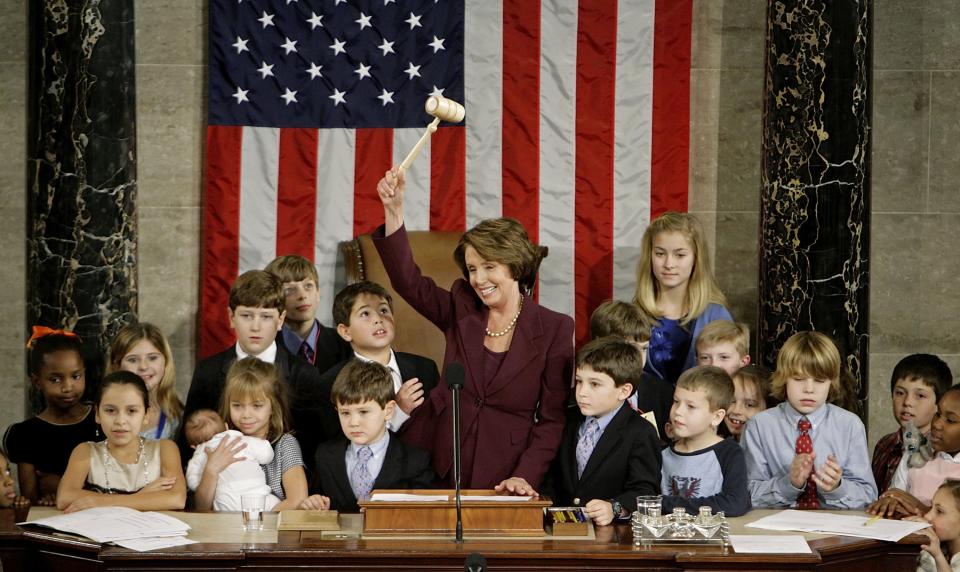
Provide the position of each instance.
(815, 198)
(81, 221)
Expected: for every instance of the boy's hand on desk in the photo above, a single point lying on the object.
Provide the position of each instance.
(897, 503)
(516, 486)
(600, 511)
(410, 395)
(315, 502)
(829, 475)
(800, 469)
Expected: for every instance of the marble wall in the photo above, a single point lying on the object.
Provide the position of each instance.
(916, 200)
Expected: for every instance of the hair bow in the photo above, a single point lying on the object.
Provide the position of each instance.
(43, 331)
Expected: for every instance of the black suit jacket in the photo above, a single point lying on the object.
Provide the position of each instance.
(656, 395)
(404, 467)
(411, 366)
(311, 413)
(625, 462)
(331, 348)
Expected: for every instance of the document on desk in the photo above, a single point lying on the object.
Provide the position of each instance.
(110, 524)
(147, 544)
(769, 544)
(842, 524)
(495, 498)
(400, 497)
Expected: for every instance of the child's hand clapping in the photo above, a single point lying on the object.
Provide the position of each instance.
(829, 475)
(800, 469)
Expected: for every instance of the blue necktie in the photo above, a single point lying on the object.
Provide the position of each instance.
(586, 443)
(360, 477)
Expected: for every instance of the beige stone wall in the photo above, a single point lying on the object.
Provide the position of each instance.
(915, 261)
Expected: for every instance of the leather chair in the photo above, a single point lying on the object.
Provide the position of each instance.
(433, 252)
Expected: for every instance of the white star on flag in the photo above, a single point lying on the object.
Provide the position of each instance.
(387, 47)
(338, 97)
(241, 45)
(363, 71)
(412, 70)
(289, 45)
(289, 96)
(385, 2)
(363, 20)
(315, 21)
(266, 19)
(241, 95)
(386, 97)
(265, 70)
(414, 21)
(338, 2)
(314, 71)
(436, 92)
(437, 44)
(337, 47)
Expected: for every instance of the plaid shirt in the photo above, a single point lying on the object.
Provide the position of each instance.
(886, 457)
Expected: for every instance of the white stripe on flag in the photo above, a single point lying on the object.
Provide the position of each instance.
(558, 87)
(259, 170)
(416, 197)
(633, 98)
(335, 165)
(483, 89)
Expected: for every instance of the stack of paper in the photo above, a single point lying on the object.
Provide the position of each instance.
(126, 527)
(840, 524)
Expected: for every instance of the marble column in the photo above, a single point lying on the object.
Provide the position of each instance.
(81, 219)
(815, 197)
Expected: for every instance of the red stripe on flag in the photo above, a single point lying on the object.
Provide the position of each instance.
(297, 192)
(593, 227)
(670, 153)
(221, 235)
(448, 179)
(521, 113)
(374, 155)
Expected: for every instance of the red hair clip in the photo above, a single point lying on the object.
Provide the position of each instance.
(43, 331)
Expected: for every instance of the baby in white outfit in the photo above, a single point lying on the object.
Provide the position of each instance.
(204, 429)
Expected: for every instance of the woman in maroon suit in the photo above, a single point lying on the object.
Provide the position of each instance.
(517, 355)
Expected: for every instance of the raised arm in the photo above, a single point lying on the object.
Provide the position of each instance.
(391, 188)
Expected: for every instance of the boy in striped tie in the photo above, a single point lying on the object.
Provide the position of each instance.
(369, 457)
(608, 454)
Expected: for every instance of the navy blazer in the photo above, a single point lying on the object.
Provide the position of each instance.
(404, 467)
(510, 425)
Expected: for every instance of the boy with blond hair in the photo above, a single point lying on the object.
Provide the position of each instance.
(724, 344)
(626, 320)
(369, 457)
(302, 332)
(700, 468)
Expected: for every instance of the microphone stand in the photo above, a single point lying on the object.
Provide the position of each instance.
(456, 459)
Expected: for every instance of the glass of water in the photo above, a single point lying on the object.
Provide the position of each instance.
(647, 502)
(252, 511)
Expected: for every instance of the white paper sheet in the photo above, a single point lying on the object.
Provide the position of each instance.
(769, 544)
(495, 498)
(400, 497)
(109, 524)
(147, 544)
(845, 525)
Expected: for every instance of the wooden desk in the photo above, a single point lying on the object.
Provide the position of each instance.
(37, 551)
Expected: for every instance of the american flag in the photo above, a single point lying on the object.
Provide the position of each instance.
(576, 124)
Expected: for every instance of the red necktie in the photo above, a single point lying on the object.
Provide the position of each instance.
(808, 498)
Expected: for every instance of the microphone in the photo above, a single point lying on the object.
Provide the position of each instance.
(475, 563)
(454, 378)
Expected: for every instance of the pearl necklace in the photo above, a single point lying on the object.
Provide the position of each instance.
(106, 466)
(510, 326)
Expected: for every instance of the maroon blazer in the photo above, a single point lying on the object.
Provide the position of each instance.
(511, 425)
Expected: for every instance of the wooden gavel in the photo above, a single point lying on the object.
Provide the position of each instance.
(442, 109)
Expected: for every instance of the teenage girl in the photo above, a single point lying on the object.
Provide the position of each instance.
(751, 395)
(41, 446)
(255, 403)
(912, 487)
(676, 288)
(124, 469)
(943, 552)
(142, 349)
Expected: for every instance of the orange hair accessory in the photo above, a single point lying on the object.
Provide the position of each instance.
(43, 331)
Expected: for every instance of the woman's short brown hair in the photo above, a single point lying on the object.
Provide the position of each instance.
(503, 240)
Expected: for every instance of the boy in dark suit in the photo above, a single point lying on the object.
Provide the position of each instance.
(302, 332)
(364, 315)
(370, 457)
(609, 455)
(256, 315)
